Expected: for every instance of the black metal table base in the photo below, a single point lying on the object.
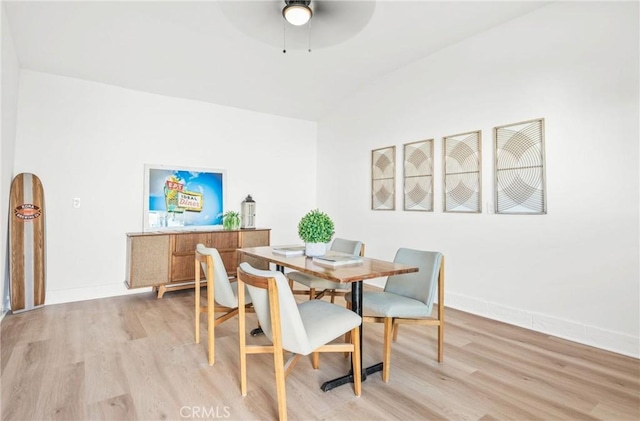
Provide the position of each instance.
(326, 386)
(356, 307)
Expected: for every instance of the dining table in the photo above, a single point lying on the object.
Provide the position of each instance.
(354, 274)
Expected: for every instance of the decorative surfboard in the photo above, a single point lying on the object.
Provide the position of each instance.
(26, 243)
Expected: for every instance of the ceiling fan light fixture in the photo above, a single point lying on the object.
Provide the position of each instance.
(297, 12)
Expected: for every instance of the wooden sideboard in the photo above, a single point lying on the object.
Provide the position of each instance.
(165, 260)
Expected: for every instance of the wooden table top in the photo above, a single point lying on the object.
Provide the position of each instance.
(368, 269)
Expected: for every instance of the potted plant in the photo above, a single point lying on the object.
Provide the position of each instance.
(231, 220)
(316, 230)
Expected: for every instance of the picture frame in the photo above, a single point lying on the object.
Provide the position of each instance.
(462, 172)
(418, 176)
(519, 168)
(383, 178)
(183, 198)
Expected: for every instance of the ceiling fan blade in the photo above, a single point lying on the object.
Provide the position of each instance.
(333, 22)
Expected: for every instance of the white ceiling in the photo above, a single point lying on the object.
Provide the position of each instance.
(230, 53)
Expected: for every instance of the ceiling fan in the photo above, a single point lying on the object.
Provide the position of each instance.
(320, 23)
(297, 12)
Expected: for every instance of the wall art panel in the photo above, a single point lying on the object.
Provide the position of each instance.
(418, 176)
(462, 172)
(383, 178)
(519, 170)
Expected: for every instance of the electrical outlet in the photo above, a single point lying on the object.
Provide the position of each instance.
(76, 202)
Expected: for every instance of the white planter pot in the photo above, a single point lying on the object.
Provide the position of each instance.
(315, 249)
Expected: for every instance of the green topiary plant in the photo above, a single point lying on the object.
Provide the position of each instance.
(231, 220)
(316, 227)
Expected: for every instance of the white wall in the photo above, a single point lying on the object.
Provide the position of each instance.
(91, 141)
(574, 272)
(8, 110)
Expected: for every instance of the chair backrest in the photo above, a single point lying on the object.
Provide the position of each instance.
(294, 336)
(347, 246)
(421, 285)
(224, 294)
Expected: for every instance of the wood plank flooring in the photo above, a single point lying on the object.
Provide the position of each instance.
(133, 358)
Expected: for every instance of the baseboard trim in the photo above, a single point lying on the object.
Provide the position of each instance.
(617, 342)
(70, 295)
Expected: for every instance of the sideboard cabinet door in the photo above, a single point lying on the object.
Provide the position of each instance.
(227, 242)
(147, 260)
(182, 258)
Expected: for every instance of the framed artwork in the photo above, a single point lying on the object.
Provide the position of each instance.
(182, 198)
(519, 171)
(462, 172)
(418, 176)
(383, 178)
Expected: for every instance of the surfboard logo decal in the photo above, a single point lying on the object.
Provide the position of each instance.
(27, 212)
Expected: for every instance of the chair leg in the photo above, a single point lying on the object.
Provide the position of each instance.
(315, 360)
(291, 362)
(197, 318)
(441, 312)
(333, 296)
(243, 339)
(278, 361)
(347, 336)
(440, 342)
(347, 339)
(355, 359)
(386, 349)
(312, 293)
(396, 328)
(211, 323)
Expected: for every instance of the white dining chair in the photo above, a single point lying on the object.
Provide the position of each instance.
(302, 329)
(222, 295)
(409, 299)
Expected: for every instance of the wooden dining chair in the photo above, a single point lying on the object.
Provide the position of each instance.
(301, 329)
(407, 299)
(222, 295)
(324, 286)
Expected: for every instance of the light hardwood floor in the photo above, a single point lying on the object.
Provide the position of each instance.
(134, 358)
